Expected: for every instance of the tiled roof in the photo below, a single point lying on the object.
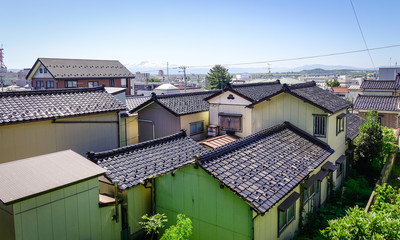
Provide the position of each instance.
(46, 104)
(353, 124)
(134, 102)
(265, 167)
(180, 104)
(319, 97)
(379, 103)
(340, 89)
(257, 91)
(133, 165)
(84, 68)
(309, 92)
(379, 84)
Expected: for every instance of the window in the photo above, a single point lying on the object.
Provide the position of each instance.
(340, 123)
(339, 170)
(123, 82)
(380, 120)
(230, 122)
(41, 70)
(286, 217)
(49, 84)
(39, 84)
(309, 192)
(71, 84)
(112, 84)
(93, 84)
(196, 128)
(45, 70)
(320, 125)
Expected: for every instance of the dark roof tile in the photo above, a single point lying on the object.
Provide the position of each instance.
(133, 165)
(353, 124)
(379, 84)
(379, 103)
(264, 167)
(46, 104)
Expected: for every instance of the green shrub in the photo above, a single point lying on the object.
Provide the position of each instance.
(181, 231)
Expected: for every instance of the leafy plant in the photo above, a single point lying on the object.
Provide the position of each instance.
(218, 77)
(333, 83)
(181, 231)
(153, 224)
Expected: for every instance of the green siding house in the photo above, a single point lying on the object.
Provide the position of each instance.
(54, 196)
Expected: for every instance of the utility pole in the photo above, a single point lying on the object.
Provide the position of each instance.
(184, 74)
(168, 73)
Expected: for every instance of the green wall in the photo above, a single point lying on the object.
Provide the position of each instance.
(69, 213)
(216, 213)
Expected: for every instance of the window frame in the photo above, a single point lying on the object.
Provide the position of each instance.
(323, 116)
(339, 125)
(230, 116)
(197, 132)
(45, 70)
(288, 220)
(124, 83)
(112, 82)
(51, 83)
(41, 83)
(40, 70)
(93, 84)
(71, 81)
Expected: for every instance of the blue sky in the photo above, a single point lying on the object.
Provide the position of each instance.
(147, 34)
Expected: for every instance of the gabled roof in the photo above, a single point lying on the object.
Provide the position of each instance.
(379, 84)
(340, 89)
(31, 176)
(353, 125)
(309, 92)
(134, 102)
(47, 104)
(134, 165)
(264, 167)
(179, 104)
(379, 103)
(61, 68)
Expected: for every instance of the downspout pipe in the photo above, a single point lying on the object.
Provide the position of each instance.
(154, 125)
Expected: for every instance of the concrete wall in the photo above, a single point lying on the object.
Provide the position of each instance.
(68, 213)
(165, 122)
(30, 139)
(215, 213)
(195, 117)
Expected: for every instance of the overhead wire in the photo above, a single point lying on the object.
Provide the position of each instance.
(362, 34)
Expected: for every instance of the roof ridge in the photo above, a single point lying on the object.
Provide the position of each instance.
(52, 91)
(255, 84)
(217, 152)
(186, 94)
(83, 59)
(388, 96)
(302, 85)
(94, 156)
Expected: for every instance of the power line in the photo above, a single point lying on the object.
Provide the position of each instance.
(292, 59)
(362, 34)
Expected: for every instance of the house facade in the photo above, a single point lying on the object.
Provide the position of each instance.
(163, 115)
(56, 73)
(33, 123)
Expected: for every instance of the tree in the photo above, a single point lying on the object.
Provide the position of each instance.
(153, 224)
(333, 83)
(389, 144)
(181, 231)
(369, 143)
(218, 77)
(154, 80)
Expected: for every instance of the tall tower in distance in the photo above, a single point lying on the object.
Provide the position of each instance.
(3, 67)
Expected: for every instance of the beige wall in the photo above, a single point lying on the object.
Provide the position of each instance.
(129, 130)
(25, 140)
(195, 117)
(389, 119)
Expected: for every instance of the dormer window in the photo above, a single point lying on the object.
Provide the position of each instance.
(45, 70)
(41, 70)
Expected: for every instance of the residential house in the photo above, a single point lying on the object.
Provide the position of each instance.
(388, 73)
(135, 167)
(33, 123)
(55, 196)
(381, 87)
(342, 92)
(386, 106)
(55, 73)
(163, 115)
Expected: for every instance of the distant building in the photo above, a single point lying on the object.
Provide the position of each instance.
(160, 73)
(142, 77)
(55, 73)
(388, 73)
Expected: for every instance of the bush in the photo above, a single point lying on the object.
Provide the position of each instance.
(181, 231)
(153, 224)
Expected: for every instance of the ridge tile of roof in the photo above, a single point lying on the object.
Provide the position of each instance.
(25, 106)
(353, 125)
(379, 103)
(135, 164)
(264, 167)
(181, 103)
